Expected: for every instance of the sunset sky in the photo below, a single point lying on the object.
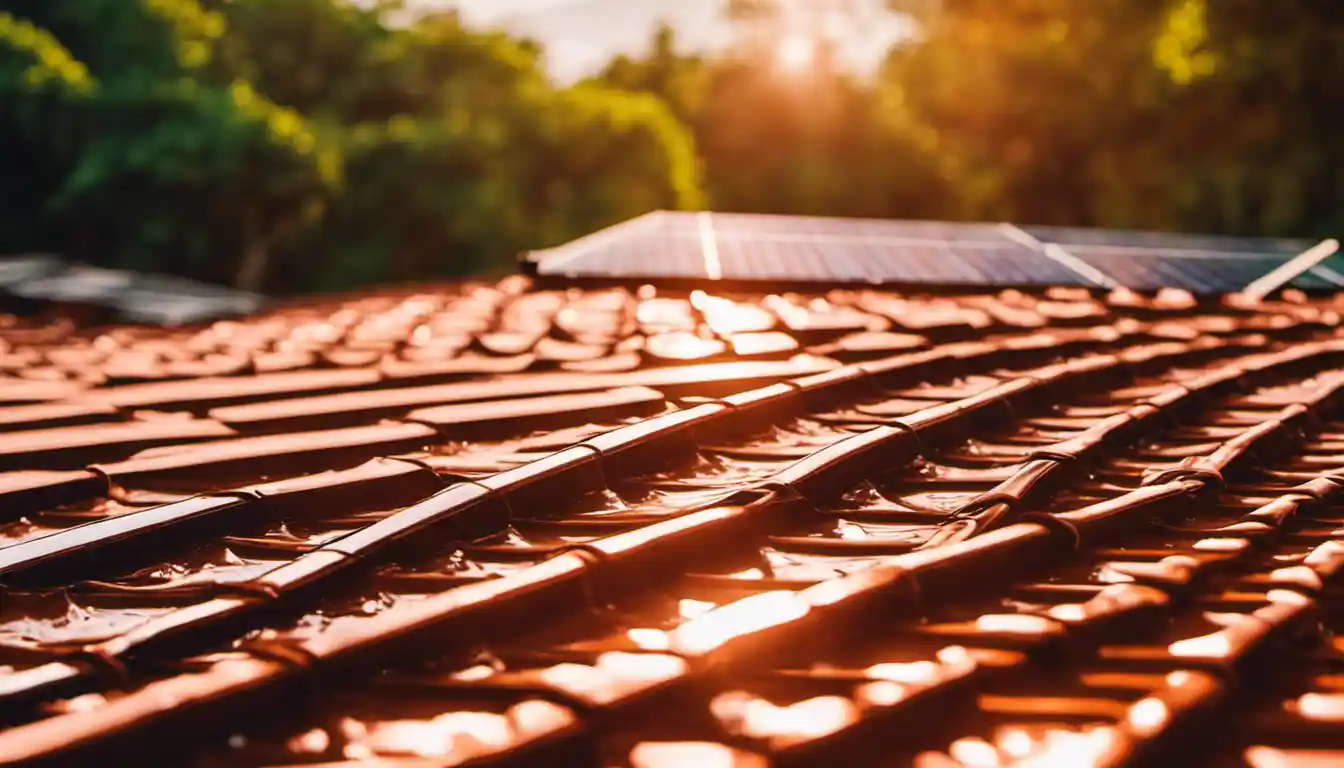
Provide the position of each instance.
(581, 35)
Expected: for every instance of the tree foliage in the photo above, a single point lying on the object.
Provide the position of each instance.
(166, 160)
(1183, 114)
(42, 87)
(303, 144)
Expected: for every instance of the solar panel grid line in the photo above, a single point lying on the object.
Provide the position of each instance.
(1000, 265)
(867, 265)
(1182, 274)
(960, 243)
(1060, 254)
(709, 247)
(840, 260)
(954, 260)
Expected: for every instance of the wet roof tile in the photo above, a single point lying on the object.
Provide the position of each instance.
(637, 527)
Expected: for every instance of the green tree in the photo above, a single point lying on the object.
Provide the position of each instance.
(597, 156)
(1040, 101)
(1259, 88)
(774, 141)
(1171, 114)
(295, 144)
(678, 79)
(458, 150)
(42, 90)
(196, 176)
(243, 141)
(167, 161)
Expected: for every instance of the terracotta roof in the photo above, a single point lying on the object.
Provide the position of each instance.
(511, 524)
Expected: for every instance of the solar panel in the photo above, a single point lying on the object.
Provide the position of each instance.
(1128, 238)
(1329, 274)
(808, 249)
(752, 247)
(1201, 272)
(785, 227)
(159, 299)
(1196, 262)
(18, 269)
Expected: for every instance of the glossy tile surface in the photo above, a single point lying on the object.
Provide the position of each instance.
(501, 524)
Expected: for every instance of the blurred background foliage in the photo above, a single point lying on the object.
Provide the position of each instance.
(298, 145)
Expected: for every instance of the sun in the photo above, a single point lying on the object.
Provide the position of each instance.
(795, 53)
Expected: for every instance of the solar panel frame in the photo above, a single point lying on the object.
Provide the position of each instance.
(807, 250)
(804, 249)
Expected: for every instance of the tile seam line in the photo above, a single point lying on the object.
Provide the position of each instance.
(749, 390)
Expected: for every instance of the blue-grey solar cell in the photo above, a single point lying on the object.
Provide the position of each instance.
(764, 247)
(1196, 271)
(1328, 275)
(765, 225)
(654, 256)
(752, 258)
(807, 249)
(998, 265)
(1070, 237)
(657, 245)
(1198, 263)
